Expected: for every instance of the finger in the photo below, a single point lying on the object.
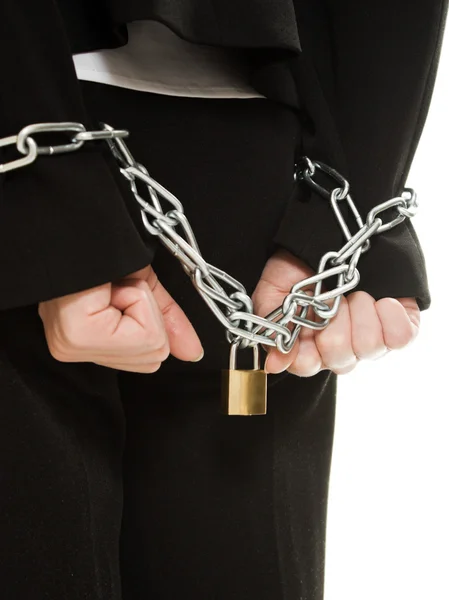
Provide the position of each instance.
(308, 360)
(85, 302)
(133, 358)
(412, 310)
(67, 319)
(398, 330)
(305, 359)
(182, 337)
(277, 362)
(145, 367)
(266, 299)
(141, 326)
(367, 335)
(281, 272)
(334, 342)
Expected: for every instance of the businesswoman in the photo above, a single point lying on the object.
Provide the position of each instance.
(120, 479)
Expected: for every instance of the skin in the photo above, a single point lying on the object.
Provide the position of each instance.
(131, 325)
(134, 325)
(363, 328)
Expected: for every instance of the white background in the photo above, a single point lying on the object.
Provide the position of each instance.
(388, 514)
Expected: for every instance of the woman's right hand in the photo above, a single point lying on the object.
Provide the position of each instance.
(130, 325)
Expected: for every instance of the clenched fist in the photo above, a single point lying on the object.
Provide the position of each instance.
(131, 325)
(363, 328)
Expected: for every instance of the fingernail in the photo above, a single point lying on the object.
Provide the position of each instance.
(199, 357)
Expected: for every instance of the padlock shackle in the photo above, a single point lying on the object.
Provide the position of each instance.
(233, 356)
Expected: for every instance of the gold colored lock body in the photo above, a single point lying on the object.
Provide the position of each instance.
(244, 392)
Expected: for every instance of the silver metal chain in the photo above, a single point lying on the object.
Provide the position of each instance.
(226, 297)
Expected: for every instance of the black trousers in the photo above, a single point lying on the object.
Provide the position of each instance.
(123, 486)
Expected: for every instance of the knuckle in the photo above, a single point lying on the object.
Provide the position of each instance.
(157, 338)
(70, 335)
(140, 284)
(168, 307)
(333, 341)
(401, 337)
(369, 346)
(408, 334)
(141, 290)
(359, 295)
(137, 292)
(58, 353)
(155, 332)
(163, 353)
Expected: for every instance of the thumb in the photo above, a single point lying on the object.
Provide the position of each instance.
(183, 339)
(134, 307)
(281, 272)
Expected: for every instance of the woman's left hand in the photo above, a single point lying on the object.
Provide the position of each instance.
(363, 328)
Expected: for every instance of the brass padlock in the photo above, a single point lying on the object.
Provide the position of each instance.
(244, 392)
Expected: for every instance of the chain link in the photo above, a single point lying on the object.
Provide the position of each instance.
(226, 297)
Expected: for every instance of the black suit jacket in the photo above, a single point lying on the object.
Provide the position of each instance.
(360, 76)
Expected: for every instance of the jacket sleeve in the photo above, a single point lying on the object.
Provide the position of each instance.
(366, 79)
(66, 222)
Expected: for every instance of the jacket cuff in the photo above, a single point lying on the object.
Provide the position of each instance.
(67, 224)
(393, 266)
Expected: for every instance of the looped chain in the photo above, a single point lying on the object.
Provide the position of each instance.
(306, 305)
(27, 145)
